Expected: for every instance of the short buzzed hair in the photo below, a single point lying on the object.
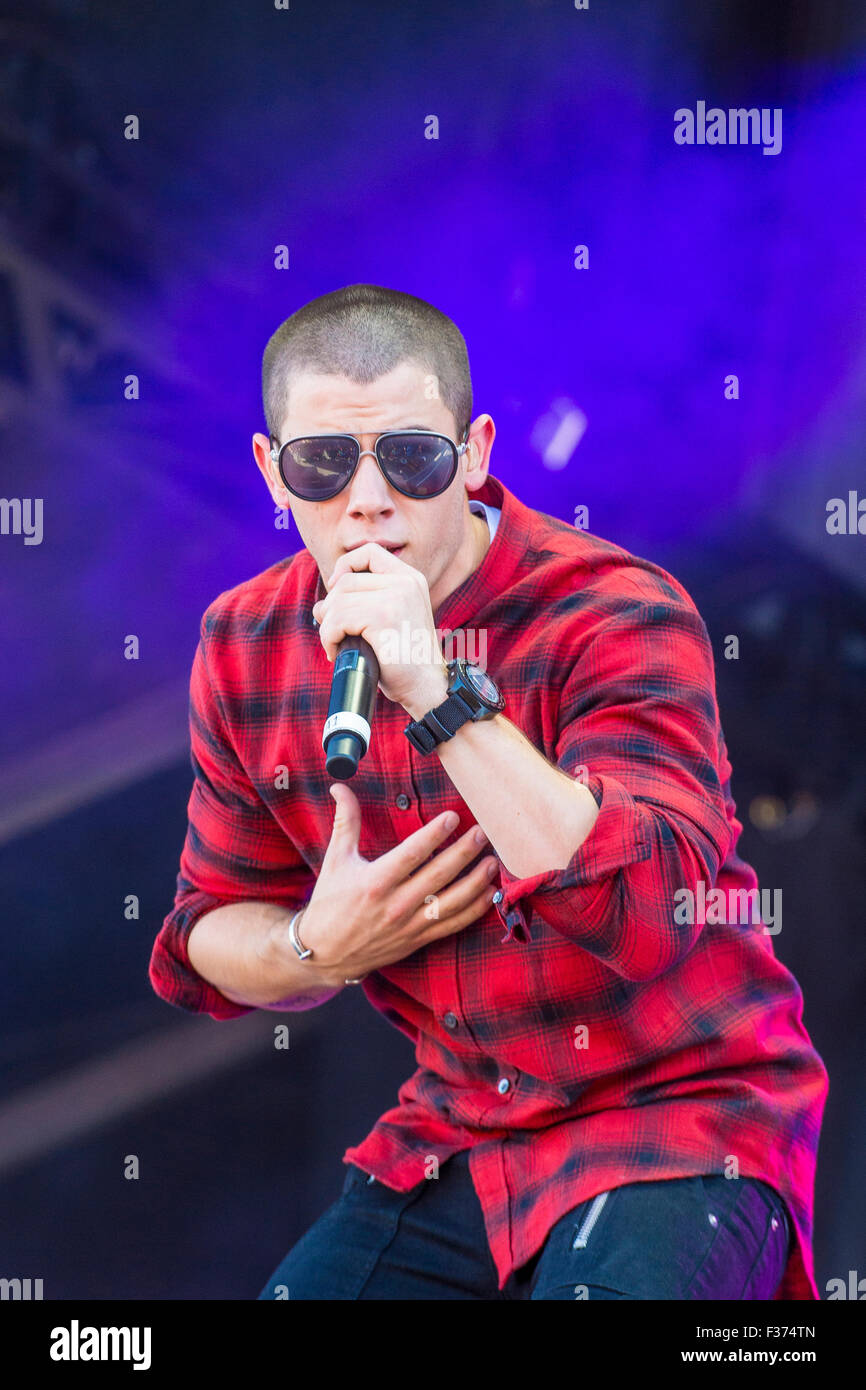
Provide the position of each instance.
(362, 332)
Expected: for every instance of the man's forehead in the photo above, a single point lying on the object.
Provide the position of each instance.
(403, 399)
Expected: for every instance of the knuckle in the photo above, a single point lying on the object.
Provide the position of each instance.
(372, 891)
(418, 854)
(391, 915)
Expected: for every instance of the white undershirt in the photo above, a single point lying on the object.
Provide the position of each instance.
(490, 514)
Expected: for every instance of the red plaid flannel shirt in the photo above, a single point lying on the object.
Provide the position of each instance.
(696, 1052)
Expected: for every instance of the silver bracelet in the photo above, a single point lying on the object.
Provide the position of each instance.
(305, 951)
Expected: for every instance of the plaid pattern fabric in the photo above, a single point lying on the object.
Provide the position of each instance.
(582, 1034)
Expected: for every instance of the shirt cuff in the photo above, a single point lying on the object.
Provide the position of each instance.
(172, 974)
(621, 835)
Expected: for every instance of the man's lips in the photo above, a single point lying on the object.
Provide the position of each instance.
(394, 547)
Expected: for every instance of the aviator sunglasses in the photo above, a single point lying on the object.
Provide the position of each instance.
(417, 463)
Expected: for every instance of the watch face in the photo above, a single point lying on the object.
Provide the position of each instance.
(487, 688)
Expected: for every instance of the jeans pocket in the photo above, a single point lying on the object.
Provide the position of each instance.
(748, 1253)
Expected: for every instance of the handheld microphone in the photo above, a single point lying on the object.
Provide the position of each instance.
(346, 735)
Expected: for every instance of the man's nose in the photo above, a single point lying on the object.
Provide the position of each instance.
(369, 486)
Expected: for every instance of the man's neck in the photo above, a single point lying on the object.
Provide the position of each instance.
(481, 544)
(483, 533)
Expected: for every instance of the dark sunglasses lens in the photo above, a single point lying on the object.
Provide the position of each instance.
(420, 464)
(317, 468)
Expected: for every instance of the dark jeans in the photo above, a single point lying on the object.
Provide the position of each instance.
(680, 1238)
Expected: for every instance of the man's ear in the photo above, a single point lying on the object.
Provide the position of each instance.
(267, 467)
(480, 443)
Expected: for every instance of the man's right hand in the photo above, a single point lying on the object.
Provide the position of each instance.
(366, 913)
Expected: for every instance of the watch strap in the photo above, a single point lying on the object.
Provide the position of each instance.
(440, 723)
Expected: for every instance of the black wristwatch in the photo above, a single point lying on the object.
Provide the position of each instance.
(472, 695)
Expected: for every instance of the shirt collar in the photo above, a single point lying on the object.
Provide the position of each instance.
(501, 561)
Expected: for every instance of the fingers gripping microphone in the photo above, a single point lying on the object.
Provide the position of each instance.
(346, 735)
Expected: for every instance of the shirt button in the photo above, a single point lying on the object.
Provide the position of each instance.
(450, 1020)
(497, 896)
(503, 1085)
(403, 801)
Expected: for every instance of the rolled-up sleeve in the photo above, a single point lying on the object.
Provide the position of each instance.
(234, 851)
(638, 724)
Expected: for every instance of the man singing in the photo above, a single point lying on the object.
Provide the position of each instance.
(533, 874)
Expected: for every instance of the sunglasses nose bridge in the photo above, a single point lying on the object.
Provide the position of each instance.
(366, 453)
(378, 470)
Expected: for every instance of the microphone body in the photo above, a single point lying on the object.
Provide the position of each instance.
(346, 735)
